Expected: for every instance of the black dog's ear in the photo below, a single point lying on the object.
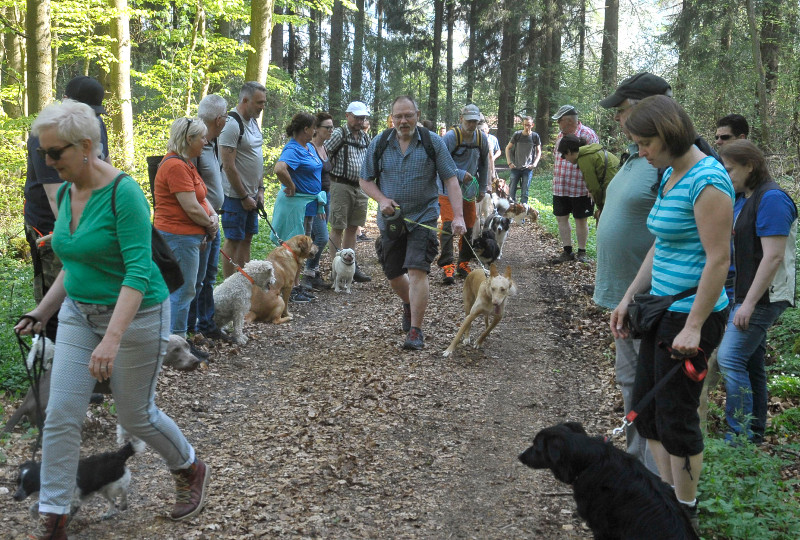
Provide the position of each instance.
(575, 427)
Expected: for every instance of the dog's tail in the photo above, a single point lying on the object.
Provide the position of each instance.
(137, 446)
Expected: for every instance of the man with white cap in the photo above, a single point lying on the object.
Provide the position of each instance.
(346, 148)
(570, 195)
(470, 151)
(42, 183)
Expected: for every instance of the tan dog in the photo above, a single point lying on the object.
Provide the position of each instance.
(287, 262)
(483, 295)
(266, 306)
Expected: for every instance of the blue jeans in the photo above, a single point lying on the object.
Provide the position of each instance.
(741, 360)
(523, 177)
(186, 248)
(319, 232)
(201, 310)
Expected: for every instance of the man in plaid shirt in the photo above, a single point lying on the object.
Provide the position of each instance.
(570, 195)
(346, 149)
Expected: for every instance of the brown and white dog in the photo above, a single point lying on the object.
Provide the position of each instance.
(518, 211)
(287, 262)
(483, 295)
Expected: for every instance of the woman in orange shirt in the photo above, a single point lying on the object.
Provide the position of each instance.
(182, 215)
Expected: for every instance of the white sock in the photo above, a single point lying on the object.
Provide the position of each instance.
(692, 503)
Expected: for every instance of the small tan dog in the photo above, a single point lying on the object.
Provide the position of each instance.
(287, 262)
(266, 306)
(483, 296)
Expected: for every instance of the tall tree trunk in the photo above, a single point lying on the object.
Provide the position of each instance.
(582, 44)
(762, 86)
(120, 79)
(357, 69)
(682, 44)
(473, 41)
(315, 53)
(14, 67)
(534, 48)
(547, 71)
(376, 98)
(608, 57)
(450, 15)
(293, 50)
(39, 59)
(197, 28)
(336, 51)
(276, 42)
(433, 90)
(260, 34)
(771, 38)
(508, 72)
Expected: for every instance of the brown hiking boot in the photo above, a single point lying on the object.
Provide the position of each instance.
(50, 527)
(190, 490)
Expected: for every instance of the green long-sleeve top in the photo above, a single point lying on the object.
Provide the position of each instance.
(592, 163)
(106, 251)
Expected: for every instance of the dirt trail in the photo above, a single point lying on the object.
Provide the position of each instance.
(326, 428)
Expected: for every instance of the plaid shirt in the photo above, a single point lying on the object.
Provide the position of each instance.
(350, 155)
(567, 178)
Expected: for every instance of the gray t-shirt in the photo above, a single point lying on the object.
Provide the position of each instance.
(523, 148)
(208, 166)
(249, 155)
(623, 239)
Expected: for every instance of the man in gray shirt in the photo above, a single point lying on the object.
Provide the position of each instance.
(241, 149)
(523, 153)
(213, 111)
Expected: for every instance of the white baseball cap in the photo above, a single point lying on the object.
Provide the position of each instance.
(357, 108)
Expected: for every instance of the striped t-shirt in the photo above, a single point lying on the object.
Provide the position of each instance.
(679, 255)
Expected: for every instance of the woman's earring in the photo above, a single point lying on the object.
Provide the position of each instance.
(86, 159)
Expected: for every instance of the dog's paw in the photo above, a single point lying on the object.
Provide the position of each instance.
(447, 353)
(240, 340)
(465, 340)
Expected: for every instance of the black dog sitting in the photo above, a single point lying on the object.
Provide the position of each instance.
(616, 495)
(486, 248)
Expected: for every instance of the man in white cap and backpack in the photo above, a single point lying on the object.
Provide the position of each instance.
(347, 148)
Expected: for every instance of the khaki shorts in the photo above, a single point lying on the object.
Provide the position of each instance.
(348, 206)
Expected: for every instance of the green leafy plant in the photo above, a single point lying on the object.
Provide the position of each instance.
(784, 386)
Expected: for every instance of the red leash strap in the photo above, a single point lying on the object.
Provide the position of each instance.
(239, 268)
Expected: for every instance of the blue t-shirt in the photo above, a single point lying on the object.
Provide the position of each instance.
(679, 255)
(305, 168)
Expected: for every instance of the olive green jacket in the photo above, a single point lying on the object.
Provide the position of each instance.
(596, 174)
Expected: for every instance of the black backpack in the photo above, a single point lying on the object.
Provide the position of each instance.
(235, 115)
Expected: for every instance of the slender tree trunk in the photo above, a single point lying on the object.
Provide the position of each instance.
(473, 41)
(14, 67)
(508, 72)
(534, 47)
(433, 89)
(260, 35)
(276, 41)
(197, 27)
(759, 65)
(771, 38)
(315, 53)
(336, 51)
(608, 57)
(120, 79)
(357, 67)
(293, 50)
(547, 71)
(39, 59)
(582, 44)
(376, 98)
(449, 113)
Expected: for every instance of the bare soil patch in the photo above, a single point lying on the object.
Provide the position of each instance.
(325, 428)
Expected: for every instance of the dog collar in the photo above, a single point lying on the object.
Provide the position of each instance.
(296, 259)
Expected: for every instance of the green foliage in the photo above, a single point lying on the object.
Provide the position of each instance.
(16, 298)
(13, 136)
(753, 503)
(784, 386)
(786, 425)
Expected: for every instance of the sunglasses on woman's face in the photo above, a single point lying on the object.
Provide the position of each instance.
(53, 153)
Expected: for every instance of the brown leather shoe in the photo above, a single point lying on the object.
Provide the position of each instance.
(50, 527)
(190, 490)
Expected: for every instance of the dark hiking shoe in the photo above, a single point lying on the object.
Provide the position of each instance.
(199, 353)
(564, 257)
(319, 283)
(190, 490)
(415, 341)
(363, 237)
(691, 513)
(406, 317)
(361, 277)
(218, 334)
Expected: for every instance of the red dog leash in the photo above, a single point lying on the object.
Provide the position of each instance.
(239, 268)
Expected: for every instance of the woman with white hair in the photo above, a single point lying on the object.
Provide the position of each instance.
(182, 214)
(112, 323)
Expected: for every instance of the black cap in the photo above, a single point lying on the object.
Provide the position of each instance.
(86, 90)
(639, 86)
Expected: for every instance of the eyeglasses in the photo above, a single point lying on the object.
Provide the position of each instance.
(327, 127)
(407, 116)
(723, 137)
(53, 153)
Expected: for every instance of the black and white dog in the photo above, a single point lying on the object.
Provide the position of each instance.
(486, 248)
(616, 495)
(499, 225)
(104, 474)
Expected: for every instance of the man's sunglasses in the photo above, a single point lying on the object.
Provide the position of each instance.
(723, 137)
(53, 153)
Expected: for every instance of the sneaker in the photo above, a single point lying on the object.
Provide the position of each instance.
(50, 526)
(581, 257)
(306, 284)
(299, 296)
(190, 490)
(199, 353)
(691, 513)
(564, 257)
(463, 269)
(449, 272)
(406, 317)
(218, 334)
(319, 283)
(415, 341)
(361, 277)
(363, 237)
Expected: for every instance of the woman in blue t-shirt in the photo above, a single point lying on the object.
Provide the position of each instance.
(691, 220)
(765, 230)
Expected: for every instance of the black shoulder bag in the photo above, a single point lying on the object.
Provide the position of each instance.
(646, 310)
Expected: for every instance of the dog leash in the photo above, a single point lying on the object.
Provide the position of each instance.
(239, 268)
(688, 368)
(34, 373)
(262, 212)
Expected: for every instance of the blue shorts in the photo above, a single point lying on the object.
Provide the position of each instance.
(236, 221)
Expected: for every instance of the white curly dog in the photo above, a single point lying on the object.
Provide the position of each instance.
(232, 297)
